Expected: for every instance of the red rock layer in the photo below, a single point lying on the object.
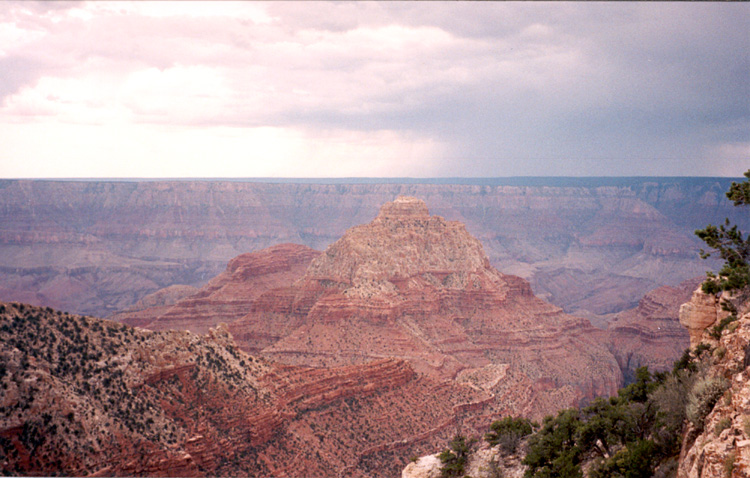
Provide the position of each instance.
(84, 396)
(228, 296)
(417, 287)
(651, 333)
(97, 247)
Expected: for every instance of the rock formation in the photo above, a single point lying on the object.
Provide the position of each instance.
(722, 448)
(699, 313)
(715, 437)
(154, 305)
(590, 246)
(420, 288)
(412, 286)
(84, 396)
(228, 296)
(651, 334)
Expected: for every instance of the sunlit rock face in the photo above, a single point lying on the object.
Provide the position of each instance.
(702, 311)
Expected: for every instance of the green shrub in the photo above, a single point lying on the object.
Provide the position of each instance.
(508, 433)
(718, 329)
(638, 459)
(700, 348)
(453, 459)
(553, 451)
(702, 398)
(728, 398)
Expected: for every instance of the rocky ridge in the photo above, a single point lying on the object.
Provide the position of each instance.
(413, 286)
(699, 313)
(84, 396)
(590, 246)
(228, 296)
(719, 448)
(651, 334)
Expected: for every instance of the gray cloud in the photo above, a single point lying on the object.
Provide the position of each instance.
(516, 88)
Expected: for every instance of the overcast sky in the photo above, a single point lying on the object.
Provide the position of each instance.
(382, 89)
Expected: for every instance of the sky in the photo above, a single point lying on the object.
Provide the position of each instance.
(373, 89)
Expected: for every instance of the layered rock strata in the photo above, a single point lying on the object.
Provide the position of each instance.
(593, 246)
(228, 296)
(651, 334)
(420, 288)
(84, 396)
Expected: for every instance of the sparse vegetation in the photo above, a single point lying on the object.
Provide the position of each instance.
(722, 425)
(101, 389)
(702, 398)
(729, 461)
(632, 434)
(716, 331)
(727, 241)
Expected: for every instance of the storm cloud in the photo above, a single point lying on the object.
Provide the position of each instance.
(326, 89)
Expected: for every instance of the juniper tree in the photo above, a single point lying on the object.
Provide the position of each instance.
(727, 240)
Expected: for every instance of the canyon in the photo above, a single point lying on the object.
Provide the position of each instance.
(275, 306)
(292, 354)
(651, 334)
(412, 286)
(593, 246)
(714, 432)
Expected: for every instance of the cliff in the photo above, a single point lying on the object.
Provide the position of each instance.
(651, 334)
(721, 447)
(590, 246)
(702, 411)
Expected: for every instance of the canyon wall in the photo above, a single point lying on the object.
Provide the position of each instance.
(408, 285)
(591, 246)
(90, 397)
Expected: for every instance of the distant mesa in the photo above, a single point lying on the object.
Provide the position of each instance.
(591, 246)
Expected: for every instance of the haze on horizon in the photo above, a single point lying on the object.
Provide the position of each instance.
(373, 89)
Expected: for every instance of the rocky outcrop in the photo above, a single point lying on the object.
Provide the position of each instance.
(590, 246)
(417, 287)
(228, 296)
(483, 461)
(699, 313)
(651, 334)
(722, 448)
(84, 396)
